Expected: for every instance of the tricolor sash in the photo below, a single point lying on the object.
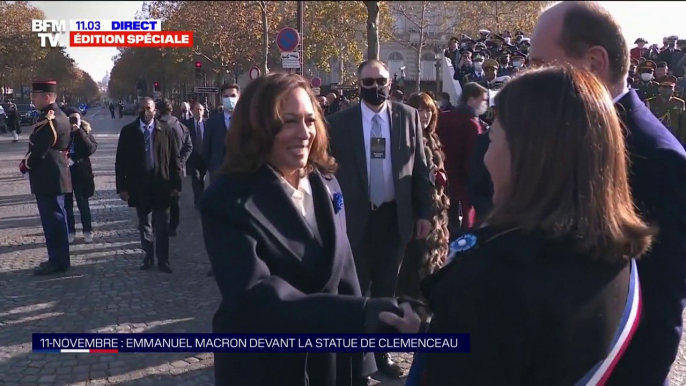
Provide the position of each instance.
(600, 373)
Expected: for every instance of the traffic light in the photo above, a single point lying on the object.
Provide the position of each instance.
(156, 86)
(198, 69)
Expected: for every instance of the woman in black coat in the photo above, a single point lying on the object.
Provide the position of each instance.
(81, 147)
(549, 289)
(274, 228)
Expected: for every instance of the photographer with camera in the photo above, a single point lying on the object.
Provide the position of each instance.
(81, 146)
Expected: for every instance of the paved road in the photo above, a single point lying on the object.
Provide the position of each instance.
(104, 291)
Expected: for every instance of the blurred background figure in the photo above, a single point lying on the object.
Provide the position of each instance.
(425, 256)
(81, 146)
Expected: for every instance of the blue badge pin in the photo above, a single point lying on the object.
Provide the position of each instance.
(461, 244)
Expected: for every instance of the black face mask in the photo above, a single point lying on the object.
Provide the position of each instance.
(375, 96)
(146, 116)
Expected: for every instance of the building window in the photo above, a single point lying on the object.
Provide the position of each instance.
(395, 61)
(428, 66)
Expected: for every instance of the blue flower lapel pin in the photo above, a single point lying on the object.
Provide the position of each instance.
(461, 244)
(337, 201)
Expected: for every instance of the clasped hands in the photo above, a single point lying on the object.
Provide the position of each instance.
(391, 317)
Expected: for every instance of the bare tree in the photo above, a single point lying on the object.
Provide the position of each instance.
(264, 13)
(372, 29)
(424, 21)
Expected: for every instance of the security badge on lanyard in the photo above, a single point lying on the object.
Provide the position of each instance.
(377, 148)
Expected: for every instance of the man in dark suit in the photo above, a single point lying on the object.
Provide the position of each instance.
(213, 147)
(48, 173)
(183, 140)
(196, 165)
(658, 181)
(385, 181)
(148, 176)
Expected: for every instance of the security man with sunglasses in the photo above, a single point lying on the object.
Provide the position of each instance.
(384, 177)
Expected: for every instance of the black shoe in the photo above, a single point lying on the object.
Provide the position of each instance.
(147, 264)
(172, 232)
(386, 365)
(43, 264)
(49, 269)
(210, 273)
(164, 267)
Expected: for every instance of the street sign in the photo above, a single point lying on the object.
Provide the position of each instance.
(206, 90)
(316, 82)
(317, 91)
(253, 73)
(288, 39)
(290, 60)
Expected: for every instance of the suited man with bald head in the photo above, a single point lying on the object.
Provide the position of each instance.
(586, 35)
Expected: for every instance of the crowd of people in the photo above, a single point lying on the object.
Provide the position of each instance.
(552, 232)
(655, 72)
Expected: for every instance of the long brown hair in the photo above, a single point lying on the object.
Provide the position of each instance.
(568, 164)
(257, 119)
(422, 101)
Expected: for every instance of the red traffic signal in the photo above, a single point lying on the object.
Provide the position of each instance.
(157, 84)
(198, 64)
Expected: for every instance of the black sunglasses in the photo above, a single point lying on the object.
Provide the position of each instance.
(369, 82)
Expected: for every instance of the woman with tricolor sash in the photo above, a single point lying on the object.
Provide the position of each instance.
(548, 290)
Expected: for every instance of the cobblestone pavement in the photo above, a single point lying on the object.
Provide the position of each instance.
(104, 291)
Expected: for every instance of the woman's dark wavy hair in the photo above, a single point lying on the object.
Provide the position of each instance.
(257, 119)
(569, 163)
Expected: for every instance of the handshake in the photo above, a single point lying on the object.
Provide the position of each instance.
(386, 315)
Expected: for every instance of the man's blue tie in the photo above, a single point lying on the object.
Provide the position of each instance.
(377, 193)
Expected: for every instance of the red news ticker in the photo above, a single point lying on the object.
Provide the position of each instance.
(130, 39)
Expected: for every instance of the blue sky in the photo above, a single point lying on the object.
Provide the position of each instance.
(650, 20)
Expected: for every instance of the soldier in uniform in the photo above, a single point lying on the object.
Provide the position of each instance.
(483, 35)
(646, 87)
(477, 74)
(497, 43)
(504, 61)
(681, 85)
(490, 73)
(631, 79)
(661, 71)
(669, 109)
(490, 82)
(48, 171)
(518, 62)
(640, 50)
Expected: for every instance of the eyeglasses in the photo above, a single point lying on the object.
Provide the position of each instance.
(369, 82)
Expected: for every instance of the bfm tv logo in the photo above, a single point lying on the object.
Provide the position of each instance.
(49, 31)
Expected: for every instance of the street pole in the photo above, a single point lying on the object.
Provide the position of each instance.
(301, 16)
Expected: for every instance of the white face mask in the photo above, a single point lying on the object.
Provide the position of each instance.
(646, 76)
(478, 66)
(229, 103)
(482, 109)
(517, 63)
(507, 40)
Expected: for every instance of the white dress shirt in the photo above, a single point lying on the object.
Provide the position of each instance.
(303, 201)
(367, 116)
